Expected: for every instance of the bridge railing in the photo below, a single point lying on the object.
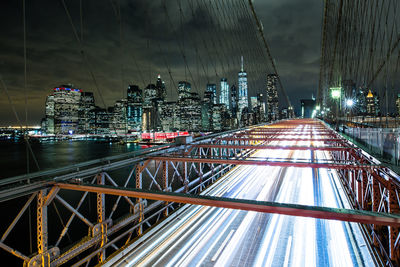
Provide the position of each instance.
(375, 189)
(383, 142)
(114, 222)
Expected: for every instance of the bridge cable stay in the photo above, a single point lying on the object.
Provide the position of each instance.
(260, 28)
(320, 92)
(361, 53)
(26, 121)
(254, 35)
(360, 46)
(208, 51)
(86, 60)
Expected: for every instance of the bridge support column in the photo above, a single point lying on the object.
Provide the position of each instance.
(185, 176)
(364, 185)
(139, 169)
(200, 176)
(359, 176)
(44, 255)
(376, 197)
(165, 183)
(42, 233)
(101, 228)
(212, 164)
(394, 238)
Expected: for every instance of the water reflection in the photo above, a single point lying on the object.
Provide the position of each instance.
(52, 155)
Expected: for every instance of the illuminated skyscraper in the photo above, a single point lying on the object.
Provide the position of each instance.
(272, 97)
(86, 106)
(398, 103)
(212, 87)
(187, 116)
(234, 101)
(242, 82)
(134, 108)
(66, 109)
(224, 93)
(160, 86)
(184, 89)
(49, 114)
(372, 104)
(150, 120)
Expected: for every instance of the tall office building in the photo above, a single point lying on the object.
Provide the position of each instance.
(102, 121)
(66, 109)
(360, 107)
(209, 97)
(261, 106)
(134, 108)
(218, 117)
(167, 111)
(187, 115)
(184, 89)
(272, 97)
(119, 116)
(150, 116)
(242, 83)
(261, 102)
(224, 93)
(49, 115)
(160, 86)
(373, 108)
(212, 87)
(86, 118)
(234, 101)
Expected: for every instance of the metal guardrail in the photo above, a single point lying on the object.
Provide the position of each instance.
(25, 184)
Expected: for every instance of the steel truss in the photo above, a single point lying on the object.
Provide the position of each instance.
(115, 222)
(171, 173)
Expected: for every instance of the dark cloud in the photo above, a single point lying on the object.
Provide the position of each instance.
(293, 29)
(212, 38)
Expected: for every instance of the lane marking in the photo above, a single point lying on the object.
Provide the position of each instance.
(288, 247)
(222, 245)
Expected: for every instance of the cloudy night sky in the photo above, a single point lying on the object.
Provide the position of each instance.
(155, 37)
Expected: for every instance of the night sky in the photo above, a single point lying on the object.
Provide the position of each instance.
(292, 28)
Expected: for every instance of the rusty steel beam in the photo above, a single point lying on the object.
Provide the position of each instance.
(285, 133)
(323, 129)
(281, 139)
(328, 148)
(347, 215)
(249, 161)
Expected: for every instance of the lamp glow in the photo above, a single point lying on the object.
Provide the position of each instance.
(336, 92)
(349, 102)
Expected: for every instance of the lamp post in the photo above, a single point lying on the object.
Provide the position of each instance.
(349, 106)
(336, 93)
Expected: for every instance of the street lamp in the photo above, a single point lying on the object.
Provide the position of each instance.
(336, 93)
(349, 103)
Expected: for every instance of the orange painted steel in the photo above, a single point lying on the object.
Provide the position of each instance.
(242, 204)
(328, 165)
(321, 148)
(282, 139)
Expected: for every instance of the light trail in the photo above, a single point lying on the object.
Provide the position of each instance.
(207, 236)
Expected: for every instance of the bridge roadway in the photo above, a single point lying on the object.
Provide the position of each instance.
(208, 236)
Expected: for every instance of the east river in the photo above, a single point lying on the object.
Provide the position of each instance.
(52, 155)
(49, 155)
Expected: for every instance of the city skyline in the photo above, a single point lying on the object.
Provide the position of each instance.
(71, 110)
(48, 47)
